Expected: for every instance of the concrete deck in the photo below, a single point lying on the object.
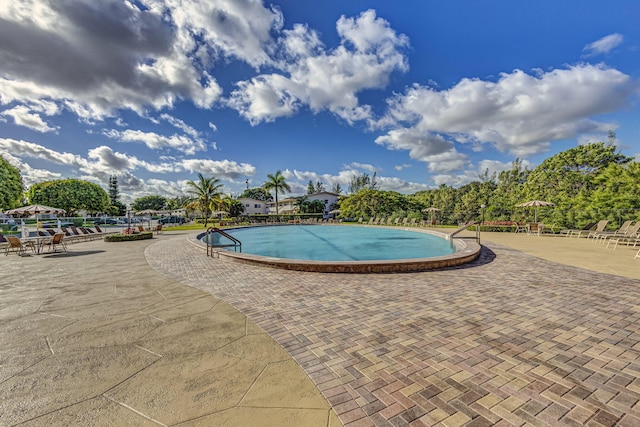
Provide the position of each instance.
(110, 334)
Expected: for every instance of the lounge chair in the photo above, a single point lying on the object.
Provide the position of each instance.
(586, 229)
(158, 229)
(622, 231)
(18, 246)
(632, 235)
(54, 242)
(602, 224)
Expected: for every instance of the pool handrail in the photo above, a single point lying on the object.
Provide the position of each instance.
(212, 230)
(466, 226)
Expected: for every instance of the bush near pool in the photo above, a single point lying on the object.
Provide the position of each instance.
(128, 237)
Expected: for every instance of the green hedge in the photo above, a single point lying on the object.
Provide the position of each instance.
(128, 237)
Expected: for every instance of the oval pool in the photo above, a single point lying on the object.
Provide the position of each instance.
(340, 248)
(337, 243)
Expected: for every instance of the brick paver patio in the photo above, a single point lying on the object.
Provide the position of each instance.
(509, 340)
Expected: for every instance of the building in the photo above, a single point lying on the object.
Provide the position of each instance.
(253, 206)
(330, 201)
(289, 205)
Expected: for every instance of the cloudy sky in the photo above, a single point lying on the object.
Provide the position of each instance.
(421, 93)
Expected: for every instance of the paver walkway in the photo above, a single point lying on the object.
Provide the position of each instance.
(509, 340)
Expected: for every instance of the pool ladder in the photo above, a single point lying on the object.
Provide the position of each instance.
(237, 244)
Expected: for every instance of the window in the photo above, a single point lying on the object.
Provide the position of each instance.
(257, 206)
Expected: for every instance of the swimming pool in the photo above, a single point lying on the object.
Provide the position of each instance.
(338, 243)
(345, 249)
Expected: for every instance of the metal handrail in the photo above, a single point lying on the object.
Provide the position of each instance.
(464, 227)
(211, 230)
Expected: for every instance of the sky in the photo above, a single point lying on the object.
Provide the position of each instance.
(420, 93)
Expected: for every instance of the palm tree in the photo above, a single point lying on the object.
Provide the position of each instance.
(276, 182)
(203, 192)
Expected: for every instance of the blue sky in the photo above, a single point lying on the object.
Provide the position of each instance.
(421, 93)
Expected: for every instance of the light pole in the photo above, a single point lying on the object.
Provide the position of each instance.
(482, 206)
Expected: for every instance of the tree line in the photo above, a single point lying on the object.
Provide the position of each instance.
(586, 183)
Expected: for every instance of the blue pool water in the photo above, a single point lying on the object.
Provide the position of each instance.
(337, 243)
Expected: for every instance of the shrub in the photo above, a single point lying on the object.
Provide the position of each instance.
(128, 237)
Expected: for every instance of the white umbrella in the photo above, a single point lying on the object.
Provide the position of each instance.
(431, 211)
(35, 210)
(536, 204)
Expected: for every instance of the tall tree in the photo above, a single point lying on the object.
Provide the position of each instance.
(202, 192)
(258, 193)
(11, 186)
(156, 203)
(114, 196)
(319, 187)
(363, 181)
(277, 183)
(337, 188)
(311, 188)
(71, 195)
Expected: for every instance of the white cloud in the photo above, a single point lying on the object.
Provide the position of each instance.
(519, 113)
(29, 175)
(22, 116)
(157, 141)
(402, 166)
(223, 169)
(96, 57)
(604, 45)
(325, 80)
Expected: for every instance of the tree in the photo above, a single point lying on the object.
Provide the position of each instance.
(71, 195)
(258, 193)
(316, 206)
(203, 192)
(311, 188)
(114, 196)
(569, 178)
(361, 182)
(156, 203)
(11, 186)
(277, 183)
(236, 208)
(302, 203)
(337, 188)
(319, 187)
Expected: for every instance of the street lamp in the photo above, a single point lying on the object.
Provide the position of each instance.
(482, 206)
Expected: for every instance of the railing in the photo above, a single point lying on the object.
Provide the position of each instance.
(464, 227)
(209, 240)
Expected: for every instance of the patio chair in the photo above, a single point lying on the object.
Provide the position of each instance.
(571, 231)
(54, 242)
(632, 235)
(602, 224)
(18, 246)
(3, 241)
(158, 229)
(624, 229)
(535, 228)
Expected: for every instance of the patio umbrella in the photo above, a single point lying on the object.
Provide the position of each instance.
(536, 204)
(431, 211)
(147, 212)
(35, 210)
